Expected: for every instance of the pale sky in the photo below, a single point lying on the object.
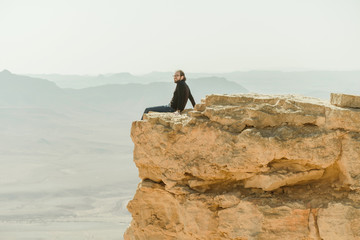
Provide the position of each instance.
(140, 36)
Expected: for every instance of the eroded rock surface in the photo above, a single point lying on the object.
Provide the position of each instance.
(248, 166)
(345, 100)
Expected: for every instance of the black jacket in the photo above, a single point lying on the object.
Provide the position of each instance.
(181, 95)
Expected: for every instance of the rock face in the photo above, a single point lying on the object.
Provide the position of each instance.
(248, 167)
(345, 100)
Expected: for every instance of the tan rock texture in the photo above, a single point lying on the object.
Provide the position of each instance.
(345, 100)
(248, 166)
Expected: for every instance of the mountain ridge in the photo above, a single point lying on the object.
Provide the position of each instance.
(24, 90)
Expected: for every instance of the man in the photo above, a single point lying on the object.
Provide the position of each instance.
(181, 95)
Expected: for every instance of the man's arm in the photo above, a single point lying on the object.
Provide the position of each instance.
(191, 99)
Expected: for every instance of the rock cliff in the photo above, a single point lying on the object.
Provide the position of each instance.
(248, 166)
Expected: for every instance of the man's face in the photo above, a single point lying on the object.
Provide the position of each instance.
(177, 77)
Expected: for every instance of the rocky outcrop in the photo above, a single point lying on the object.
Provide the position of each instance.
(345, 100)
(248, 166)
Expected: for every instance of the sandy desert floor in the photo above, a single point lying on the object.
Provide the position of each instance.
(64, 175)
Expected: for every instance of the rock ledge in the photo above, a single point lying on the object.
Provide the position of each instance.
(248, 166)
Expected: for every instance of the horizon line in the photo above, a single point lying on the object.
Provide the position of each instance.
(189, 72)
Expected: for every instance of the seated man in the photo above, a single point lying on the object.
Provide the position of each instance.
(181, 95)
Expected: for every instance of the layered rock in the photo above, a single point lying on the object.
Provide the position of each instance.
(345, 100)
(248, 167)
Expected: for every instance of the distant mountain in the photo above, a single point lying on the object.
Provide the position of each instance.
(125, 89)
(84, 81)
(17, 89)
(310, 83)
(137, 96)
(214, 85)
(28, 91)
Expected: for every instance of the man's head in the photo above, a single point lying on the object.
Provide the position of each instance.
(179, 76)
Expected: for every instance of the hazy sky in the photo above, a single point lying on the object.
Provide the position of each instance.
(140, 36)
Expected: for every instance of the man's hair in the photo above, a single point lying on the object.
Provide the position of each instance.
(181, 73)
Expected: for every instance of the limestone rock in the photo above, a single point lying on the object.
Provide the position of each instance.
(248, 166)
(339, 221)
(345, 100)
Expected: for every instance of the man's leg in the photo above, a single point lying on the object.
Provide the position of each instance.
(164, 108)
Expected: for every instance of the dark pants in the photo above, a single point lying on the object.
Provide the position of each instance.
(165, 108)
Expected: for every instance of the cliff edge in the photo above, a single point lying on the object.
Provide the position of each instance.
(249, 166)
